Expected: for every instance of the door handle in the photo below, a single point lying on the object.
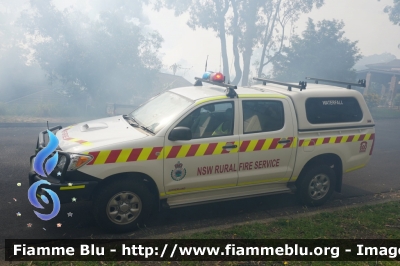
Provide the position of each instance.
(229, 147)
(284, 141)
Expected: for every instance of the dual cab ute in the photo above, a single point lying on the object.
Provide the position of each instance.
(202, 144)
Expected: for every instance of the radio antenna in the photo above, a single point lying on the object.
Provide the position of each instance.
(206, 64)
(220, 56)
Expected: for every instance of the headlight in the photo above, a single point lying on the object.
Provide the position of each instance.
(61, 162)
(76, 161)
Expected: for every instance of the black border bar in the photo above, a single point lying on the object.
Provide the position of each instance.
(228, 249)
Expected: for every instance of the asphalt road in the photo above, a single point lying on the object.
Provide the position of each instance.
(17, 144)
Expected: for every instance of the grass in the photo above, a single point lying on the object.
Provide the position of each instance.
(377, 221)
(381, 221)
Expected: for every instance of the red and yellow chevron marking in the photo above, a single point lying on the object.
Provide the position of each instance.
(204, 149)
(183, 151)
(65, 136)
(335, 140)
(125, 155)
(265, 144)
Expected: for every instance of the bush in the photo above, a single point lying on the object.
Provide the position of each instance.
(20, 109)
(44, 110)
(372, 100)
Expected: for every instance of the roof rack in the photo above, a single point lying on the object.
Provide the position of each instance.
(230, 89)
(302, 84)
(361, 82)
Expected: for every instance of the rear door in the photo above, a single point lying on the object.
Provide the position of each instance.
(267, 142)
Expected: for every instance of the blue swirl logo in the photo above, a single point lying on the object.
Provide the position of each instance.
(33, 200)
(49, 166)
(43, 154)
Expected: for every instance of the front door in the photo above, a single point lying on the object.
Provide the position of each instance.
(209, 160)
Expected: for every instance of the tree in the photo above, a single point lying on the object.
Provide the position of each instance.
(9, 33)
(394, 12)
(251, 23)
(175, 67)
(263, 23)
(246, 34)
(372, 100)
(321, 51)
(110, 59)
(208, 14)
(280, 13)
(19, 76)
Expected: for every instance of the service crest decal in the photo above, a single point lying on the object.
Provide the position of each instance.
(363, 146)
(179, 172)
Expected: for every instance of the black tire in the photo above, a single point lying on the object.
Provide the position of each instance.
(316, 186)
(133, 204)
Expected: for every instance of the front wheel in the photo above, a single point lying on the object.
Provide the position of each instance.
(122, 206)
(317, 185)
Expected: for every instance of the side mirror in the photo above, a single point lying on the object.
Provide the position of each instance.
(180, 133)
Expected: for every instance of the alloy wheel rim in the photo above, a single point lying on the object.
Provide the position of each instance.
(319, 186)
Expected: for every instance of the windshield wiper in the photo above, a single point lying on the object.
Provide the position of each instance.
(131, 121)
(147, 129)
(130, 118)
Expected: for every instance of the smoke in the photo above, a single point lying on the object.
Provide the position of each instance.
(72, 58)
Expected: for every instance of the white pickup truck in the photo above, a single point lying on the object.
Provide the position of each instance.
(202, 144)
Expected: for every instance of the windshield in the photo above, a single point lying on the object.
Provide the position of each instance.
(157, 113)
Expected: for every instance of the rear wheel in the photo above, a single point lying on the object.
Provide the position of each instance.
(317, 185)
(122, 206)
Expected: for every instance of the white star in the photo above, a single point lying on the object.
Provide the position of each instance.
(59, 173)
(18, 214)
(29, 225)
(73, 199)
(69, 214)
(58, 225)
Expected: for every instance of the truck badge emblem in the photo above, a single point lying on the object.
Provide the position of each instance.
(179, 173)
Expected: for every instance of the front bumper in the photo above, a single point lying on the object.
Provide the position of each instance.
(66, 191)
(67, 185)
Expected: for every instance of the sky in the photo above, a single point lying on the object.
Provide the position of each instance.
(364, 21)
